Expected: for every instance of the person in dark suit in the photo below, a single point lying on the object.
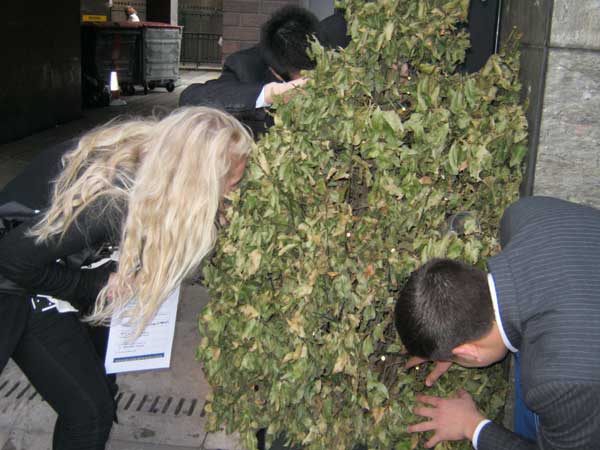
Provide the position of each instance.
(251, 78)
(540, 301)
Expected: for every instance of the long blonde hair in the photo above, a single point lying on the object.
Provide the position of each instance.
(169, 175)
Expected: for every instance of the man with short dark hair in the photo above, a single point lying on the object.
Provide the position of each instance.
(252, 78)
(540, 301)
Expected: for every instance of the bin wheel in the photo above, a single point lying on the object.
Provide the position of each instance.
(104, 98)
(170, 86)
(151, 85)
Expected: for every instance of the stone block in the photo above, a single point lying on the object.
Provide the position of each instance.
(575, 24)
(568, 161)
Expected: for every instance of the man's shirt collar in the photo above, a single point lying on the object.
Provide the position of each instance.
(494, 296)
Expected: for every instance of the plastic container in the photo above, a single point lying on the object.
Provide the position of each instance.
(141, 53)
(161, 49)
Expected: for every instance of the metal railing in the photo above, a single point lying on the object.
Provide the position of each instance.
(200, 48)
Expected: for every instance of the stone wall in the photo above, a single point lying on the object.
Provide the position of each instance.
(561, 76)
(242, 20)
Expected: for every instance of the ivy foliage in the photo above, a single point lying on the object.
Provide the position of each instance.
(365, 175)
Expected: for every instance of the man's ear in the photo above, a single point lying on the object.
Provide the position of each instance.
(468, 352)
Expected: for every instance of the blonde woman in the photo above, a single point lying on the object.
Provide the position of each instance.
(154, 188)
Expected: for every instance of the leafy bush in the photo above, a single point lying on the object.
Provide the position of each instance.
(355, 186)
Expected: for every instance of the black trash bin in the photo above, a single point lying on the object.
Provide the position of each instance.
(141, 53)
(108, 47)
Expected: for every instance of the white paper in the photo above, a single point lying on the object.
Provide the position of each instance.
(151, 350)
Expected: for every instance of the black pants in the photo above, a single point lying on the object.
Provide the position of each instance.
(57, 353)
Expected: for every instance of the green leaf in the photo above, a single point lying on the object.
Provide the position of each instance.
(393, 120)
(518, 153)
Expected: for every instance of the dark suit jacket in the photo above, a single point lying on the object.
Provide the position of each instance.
(236, 90)
(548, 285)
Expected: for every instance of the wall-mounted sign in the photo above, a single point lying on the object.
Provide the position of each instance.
(93, 18)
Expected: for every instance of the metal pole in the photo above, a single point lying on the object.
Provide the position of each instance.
(498, 24)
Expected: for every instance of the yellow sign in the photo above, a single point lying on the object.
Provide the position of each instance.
(93, 18)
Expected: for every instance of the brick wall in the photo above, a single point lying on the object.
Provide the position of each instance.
(242, 20)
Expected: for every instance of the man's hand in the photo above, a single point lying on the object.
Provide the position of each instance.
(276, 89)
(451, 419)
(441, 367)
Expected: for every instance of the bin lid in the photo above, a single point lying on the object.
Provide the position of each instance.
(130, 25)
